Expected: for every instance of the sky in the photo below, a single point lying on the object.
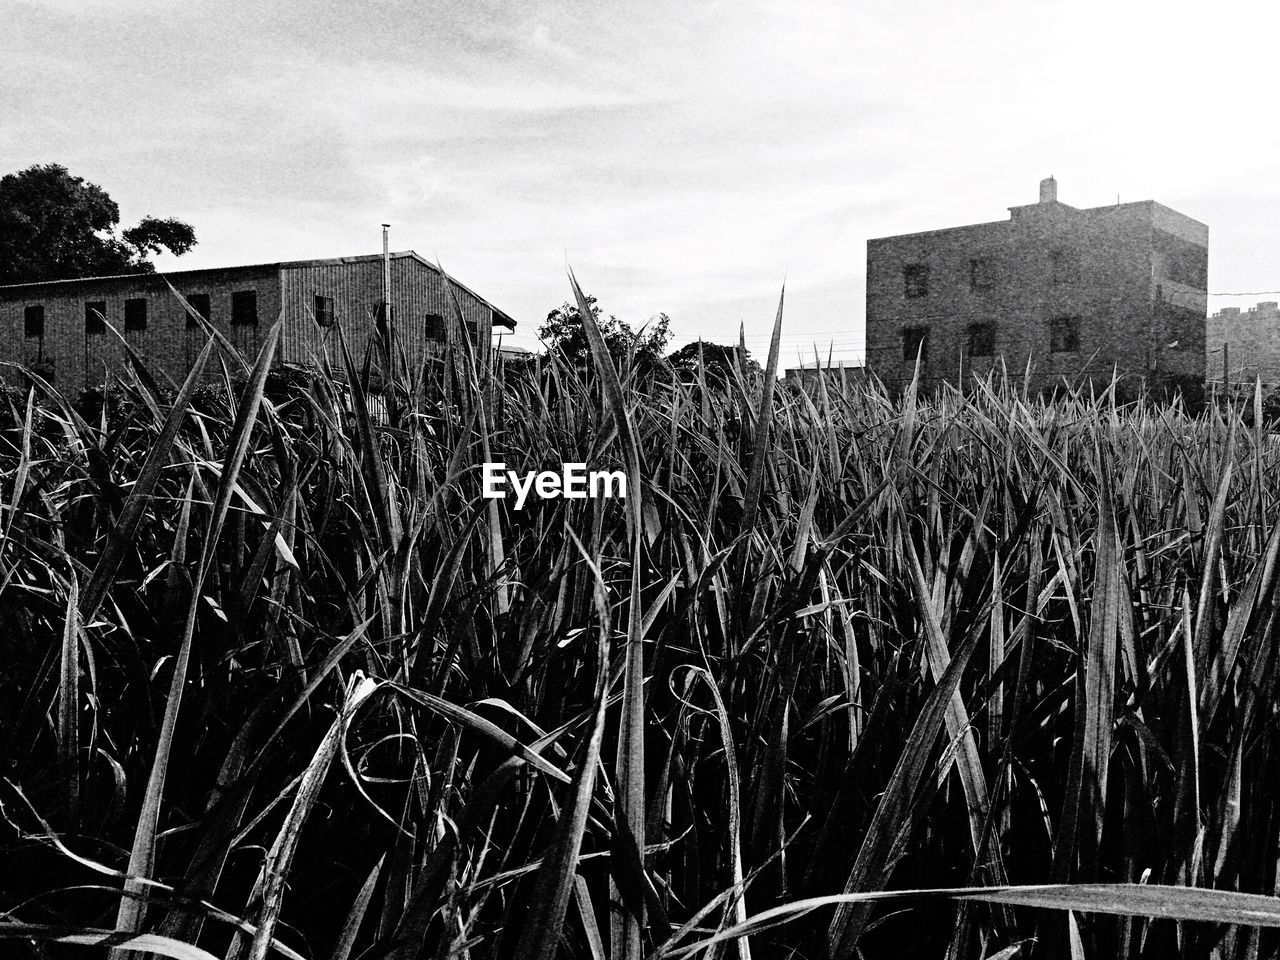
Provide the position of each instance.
(681, 157)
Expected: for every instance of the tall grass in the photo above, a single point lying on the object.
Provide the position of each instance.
(964, 676)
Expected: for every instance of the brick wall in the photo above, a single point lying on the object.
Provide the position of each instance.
(78, 357)
(418, 292)
(1122, 279)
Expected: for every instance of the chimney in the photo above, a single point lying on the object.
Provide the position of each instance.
(1048, 190)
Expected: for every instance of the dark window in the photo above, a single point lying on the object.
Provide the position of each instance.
(1064, 335)
(244, 308)
(981, 274)
(982, 339)
(1065, 265)
(433, 327)
(915, 341)
(135, 314)
(324, 311)
(381, 313)
(199, 303)
(95, 316)
(915, 279)
(33, 320)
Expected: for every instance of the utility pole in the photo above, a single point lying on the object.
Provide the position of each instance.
(386, 299)
(386, 273)
(1226, 368)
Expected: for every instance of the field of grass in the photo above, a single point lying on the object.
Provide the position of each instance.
(275, 680)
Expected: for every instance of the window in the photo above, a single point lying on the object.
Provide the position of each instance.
(135, 314)
(381, 313)
(1064, 335)
(915, 341)
(981, 274)
(982, 339)
(33, 320)
(199, 303)
(915, 279)
(433, 327)
(324, 311)
(1065, 265)
(95, 316)
(244, 308)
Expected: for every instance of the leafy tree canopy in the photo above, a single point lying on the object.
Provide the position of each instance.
(564, 335)
(717, 359)
(54, 226)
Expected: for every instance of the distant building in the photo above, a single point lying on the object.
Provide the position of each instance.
(59, 327)
(1252, 344)
(1077, 292)
(837, 376)
(509, 351)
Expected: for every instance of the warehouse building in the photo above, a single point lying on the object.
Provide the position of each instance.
(1073, 292)
(59, 328)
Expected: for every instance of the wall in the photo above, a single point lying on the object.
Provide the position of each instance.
(838, 379)
(355, 285)
(947, 309)
(1116, 275)
(79, 359)
(1253, 338)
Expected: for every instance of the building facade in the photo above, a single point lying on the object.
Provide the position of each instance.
(1245, 344)
(1068, 293)
(59, 328)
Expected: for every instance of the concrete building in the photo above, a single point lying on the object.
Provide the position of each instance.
(1075, 291)
(59, 327)
(1245, 342)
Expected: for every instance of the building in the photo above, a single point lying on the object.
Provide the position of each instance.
(1077, 292)
(59, 328)
(838, 377)
(507, 351)
(1245, 343)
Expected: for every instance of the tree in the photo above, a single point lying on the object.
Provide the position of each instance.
(54, 226)
(565, 336)
(717, 360)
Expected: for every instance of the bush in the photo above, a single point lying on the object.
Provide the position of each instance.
(869, 644)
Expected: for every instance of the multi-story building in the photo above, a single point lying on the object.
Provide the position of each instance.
(1246, 344)
(1072, 294)
(59, 327)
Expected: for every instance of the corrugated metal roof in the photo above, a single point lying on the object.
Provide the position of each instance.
(501, 317)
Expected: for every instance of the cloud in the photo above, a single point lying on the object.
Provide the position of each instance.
(542, 41)
(685, 154)
(99, 8)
